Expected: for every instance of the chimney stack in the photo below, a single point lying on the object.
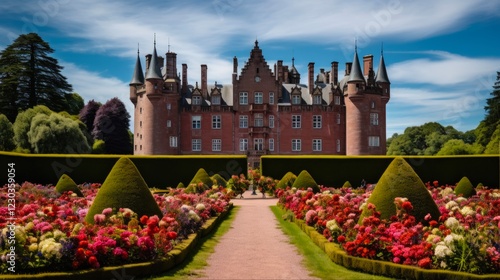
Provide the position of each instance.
(204, 86)
(335, 73)
(367, 64)
(184, 78)
(171, 65)
(311, 77)
(348, 66)
(280, 70)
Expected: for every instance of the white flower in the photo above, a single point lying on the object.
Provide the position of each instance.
(332, 226)
(446, 191)
(467, 211)
(451, 205)
(193, 216)
(50, 248)
(442, 250)
(200, 207)
(452, 223)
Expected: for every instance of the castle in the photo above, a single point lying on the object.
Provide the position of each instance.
(263, 111)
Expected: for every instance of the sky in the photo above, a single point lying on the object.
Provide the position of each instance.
(441, 55)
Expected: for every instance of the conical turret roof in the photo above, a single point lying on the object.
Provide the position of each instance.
(356, 74)
(381, 76)
(153, 71)
(138, 77)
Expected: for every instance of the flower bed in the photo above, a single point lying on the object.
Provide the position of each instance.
(51, 235)
(465, 238)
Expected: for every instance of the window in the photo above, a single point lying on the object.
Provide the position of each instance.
(258, 120)
(296, 145)
(338, 118)
(169, 106)
(296, 99)
(140, 124)
(374, 118)
(243, 121)
(317, 121)
(295, 121)
(338, 145)
(317, 145)
(243, 145)
(140, 110)
(196, 100)
(258, 144)
(373, 141)
(196, 120)
(196, 145)
(258, 98)
(216, 100)
(271, 144)
(216, 122)
(336, 99)
(271, 98)
(216, 145)
(173, 141)
(243, 98)
(373, 105)
(317, 99)
(169, 123)
(271, 121)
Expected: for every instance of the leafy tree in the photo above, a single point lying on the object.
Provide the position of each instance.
(87, 114)
(30, 77)
(111, 125)
(22, 126)
(493, 146)
(459, 147)
(56, 134)
(7, 135)
(75, 103)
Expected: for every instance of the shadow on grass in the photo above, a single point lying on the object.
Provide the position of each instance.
(196, 260)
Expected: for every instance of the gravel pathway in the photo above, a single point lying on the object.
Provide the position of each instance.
(255, 247)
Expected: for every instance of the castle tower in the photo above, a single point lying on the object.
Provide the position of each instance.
(366, 108)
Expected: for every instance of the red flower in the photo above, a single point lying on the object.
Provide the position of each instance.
(171, 235)
(407, 206)
(425, 262)
(341, 239)
(93, 262)
(144, 219)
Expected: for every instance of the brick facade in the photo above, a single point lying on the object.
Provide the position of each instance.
(263, 111)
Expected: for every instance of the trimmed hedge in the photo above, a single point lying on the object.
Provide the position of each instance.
(157, 171)
(333, 171)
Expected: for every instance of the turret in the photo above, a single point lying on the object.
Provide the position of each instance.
(153, 75)
(382, 79)
(137, 79)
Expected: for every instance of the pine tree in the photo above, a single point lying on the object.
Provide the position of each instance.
(30, 77)
(493, 104)
(111, 125)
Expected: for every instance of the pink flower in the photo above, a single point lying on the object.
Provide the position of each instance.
(99, 218)
(107, 211)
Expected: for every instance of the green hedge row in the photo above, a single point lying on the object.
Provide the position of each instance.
(158, 171)
(335, 170)
(131, 271)
(377, 267)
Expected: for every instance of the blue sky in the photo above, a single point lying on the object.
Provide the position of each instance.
(441, 56)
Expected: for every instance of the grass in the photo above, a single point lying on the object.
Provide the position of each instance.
(315, 259)
(197, 260)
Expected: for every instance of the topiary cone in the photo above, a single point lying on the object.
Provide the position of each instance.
(304, 181)
(203, 177)
(400, 180)
(465, 188)
(287, 180)
(124, 188)
(66, 184)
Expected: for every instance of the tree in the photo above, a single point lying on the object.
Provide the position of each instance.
(7, 135)
(56, 134)
(111, 125)
(22, 126)
(459, 147)
(493, 104)
(493, 146)
(30, 77)
(75, 103)
(87, 114)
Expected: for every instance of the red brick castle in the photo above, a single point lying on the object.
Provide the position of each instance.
(263, 111)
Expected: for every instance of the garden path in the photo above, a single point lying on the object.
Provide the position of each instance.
(255, 247)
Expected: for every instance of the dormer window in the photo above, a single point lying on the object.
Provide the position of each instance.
(216, 100)
(296, 99)
(337, 99)
(317, 99)
(196, 100)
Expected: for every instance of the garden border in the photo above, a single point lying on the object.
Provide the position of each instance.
(176, 256)
(377, 267)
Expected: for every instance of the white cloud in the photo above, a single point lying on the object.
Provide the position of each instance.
(442, 68)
